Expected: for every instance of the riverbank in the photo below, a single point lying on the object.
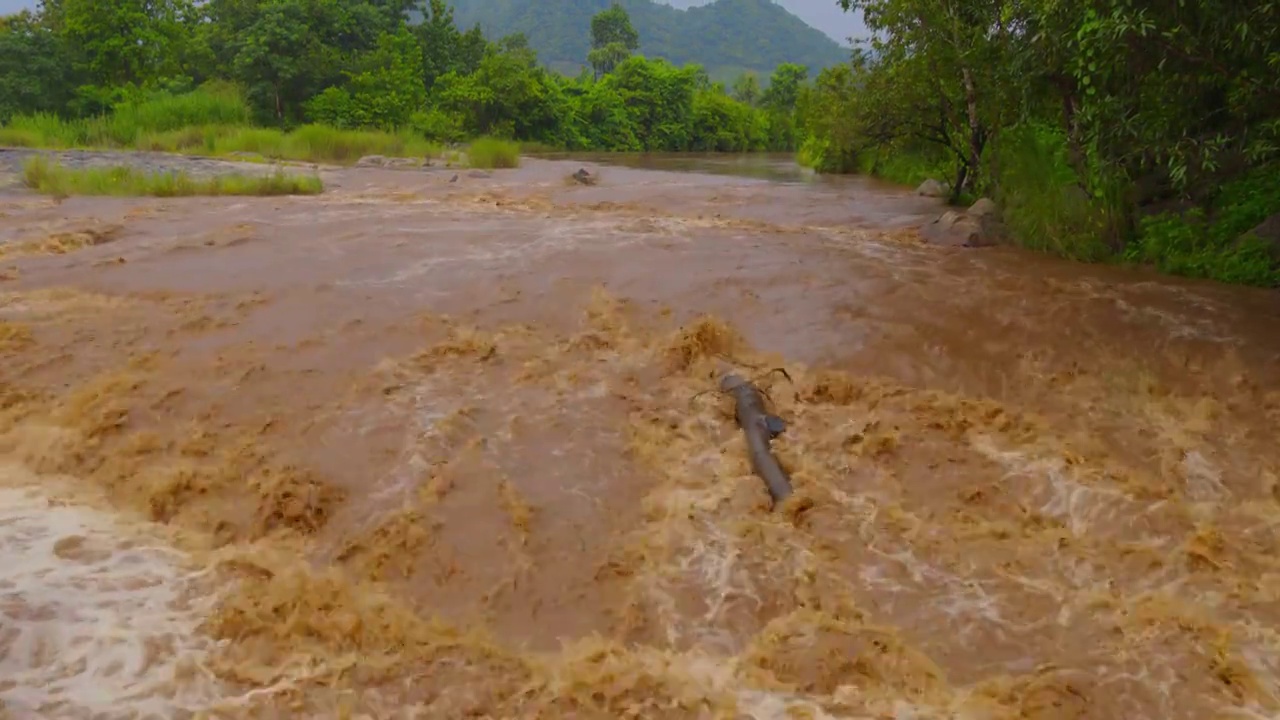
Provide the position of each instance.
(1233, 237)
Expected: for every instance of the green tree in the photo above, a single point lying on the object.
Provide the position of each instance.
(746, 88)
(613, 39)
(385, 91)
(950, 58)
(35, 68)
(126, 42)
(784, 87)
(286, 55)
(444, 48)
(505, 96)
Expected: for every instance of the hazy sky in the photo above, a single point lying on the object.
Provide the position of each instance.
(822, 14)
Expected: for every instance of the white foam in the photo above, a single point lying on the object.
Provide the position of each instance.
(96, 618)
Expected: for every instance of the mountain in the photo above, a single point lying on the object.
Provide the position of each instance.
(727, 37)
(825, 15)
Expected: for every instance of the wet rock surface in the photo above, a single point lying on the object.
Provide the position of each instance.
(978, 226)
(12, 161)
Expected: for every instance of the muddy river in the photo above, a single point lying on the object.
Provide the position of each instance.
(445, 444)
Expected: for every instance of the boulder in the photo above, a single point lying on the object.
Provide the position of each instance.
(933, 188)
(392, 162)
(583, 177)
(979, 226)
(982, 208)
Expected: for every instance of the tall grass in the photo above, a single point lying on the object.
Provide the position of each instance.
(53, 179)
(1043, 202)
(213, 120)
(493, 153)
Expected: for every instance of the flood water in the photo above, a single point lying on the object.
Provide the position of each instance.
(442, 444)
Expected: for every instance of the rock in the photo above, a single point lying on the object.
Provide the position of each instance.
(933, 188)
(394, 163)
(982, 208)
(979, 226)
(583, 177)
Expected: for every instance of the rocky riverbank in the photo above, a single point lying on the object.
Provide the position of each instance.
(13, 159)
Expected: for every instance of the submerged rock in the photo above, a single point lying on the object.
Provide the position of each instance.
(979, 226)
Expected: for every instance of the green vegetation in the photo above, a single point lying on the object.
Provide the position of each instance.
(209, 121)
(52, 179)
(727, 37)
(493, 153)
(1107, 130)
(332, 80)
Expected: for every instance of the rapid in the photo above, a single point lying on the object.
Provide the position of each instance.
(445, 443)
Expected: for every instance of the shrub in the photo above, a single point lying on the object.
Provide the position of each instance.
(493, 153)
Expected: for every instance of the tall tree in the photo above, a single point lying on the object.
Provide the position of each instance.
(125, 42)
(35, 67)
(613, 39)
(444, 48)
(746, 88)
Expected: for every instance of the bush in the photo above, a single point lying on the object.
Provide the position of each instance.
(493, 153)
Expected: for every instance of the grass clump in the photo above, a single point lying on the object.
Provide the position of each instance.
(488, 153)
(1042, 200)
(53, 179)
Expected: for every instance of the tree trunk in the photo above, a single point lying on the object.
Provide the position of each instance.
(976, 132)
(760, 427)
(1071, 125)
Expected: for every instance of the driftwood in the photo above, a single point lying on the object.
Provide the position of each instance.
(760, 428)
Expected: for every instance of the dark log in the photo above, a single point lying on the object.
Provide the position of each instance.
(760, 428)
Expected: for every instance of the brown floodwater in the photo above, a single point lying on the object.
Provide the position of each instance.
(443, 444)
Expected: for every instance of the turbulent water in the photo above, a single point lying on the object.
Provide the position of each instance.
(433, 448)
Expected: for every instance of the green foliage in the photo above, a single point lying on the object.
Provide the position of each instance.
(1043, 201)
(613, 26)
(53, 179)
(1062, 113)
(493, 153)
(613, 39)
(444, 49)
(336, 79)
(212, 120)
(125, 42)
(1215, 242)
(727, 37)
(35, 68)
(387, 90)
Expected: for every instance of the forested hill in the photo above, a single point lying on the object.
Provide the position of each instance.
(726, 37)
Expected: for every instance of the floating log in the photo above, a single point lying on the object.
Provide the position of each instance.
(760, 428)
